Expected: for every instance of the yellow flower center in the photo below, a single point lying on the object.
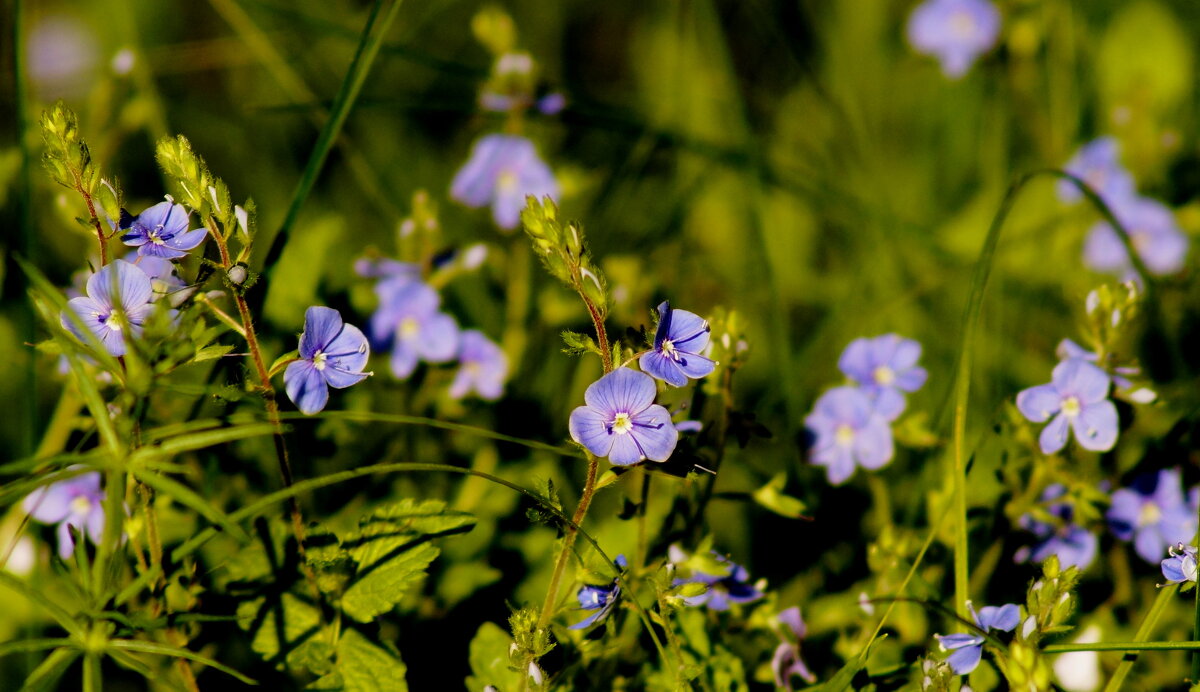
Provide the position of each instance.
(409, 327)
(1150, 514)
(1071, 407)
(622, 423)
(962, 24)
(506, 181)
(81, 505)
(884, 375)
(844, 435)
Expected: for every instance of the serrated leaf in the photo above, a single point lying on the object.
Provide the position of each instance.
(489, 659)
(392, 550)
(363, 666)
(301, 622)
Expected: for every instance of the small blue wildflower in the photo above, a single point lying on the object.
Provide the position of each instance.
(1098, 163)
(483, 368)
(680, 338)
(1071, 543)
(74, 502)
(332, 354)
(1154, 514)
(621, 420)
(884, 367)
(113, 318)
(848, 431)
(967, 648)
(409, 322)
(162, 231)
(598, 598)
(729, 585)
(1077, 397)
(955, 31)
(1152, 230)
(1181, 565)
(786, 662)
(502, 170)
(385, 268)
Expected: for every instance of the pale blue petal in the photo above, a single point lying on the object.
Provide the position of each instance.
(1003, 618)
(1054, 435)
(621, 391)
(132, 284)
(590, 428)
(404, 359)
(1039, 403)
(437, 341)
(306, 387)
(1081, 379)
(655, 433)
(965, 659)
(321, 326)
(348, 351)
(855, 361)
(188, 240)
(873, 444)
(659, 366)
(1096, 426)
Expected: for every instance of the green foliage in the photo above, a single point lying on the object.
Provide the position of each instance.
(489, 658)
(564, 252)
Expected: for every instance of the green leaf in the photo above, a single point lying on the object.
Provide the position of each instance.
(300, 622)
(577, 344)
(392, 550)
(363, 666)
(50, 670)
(771, 496)
(211, 352)
(489, 659)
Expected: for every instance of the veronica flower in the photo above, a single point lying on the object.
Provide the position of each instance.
(1071, 543)
(1077, 398)
(621, 420)
(385, 268)
(113, 318)
(678, 341)
(786, 662)
(162, 231)
(730, 584)
(483, 367)
(332, 354)
(848, 431)
(409, 321)
(502, 170)
(967, 648)
(1154, 514)
(884, 367)
(598, 598)
(1181, 565)
(1098, 164)
(72, 502)
(955, 31)
(1154, 233)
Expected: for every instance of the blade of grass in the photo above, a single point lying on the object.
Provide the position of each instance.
(176, 652)
(60, 615)
(50, 670)
(190, 498)
(1143, 633)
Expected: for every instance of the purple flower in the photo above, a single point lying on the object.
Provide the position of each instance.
(502, 170)
(385, 268)
(332, 354)
(598, 598)
(1154, 234)
(680, 338)
(73, 502)
(162, 231)
(955, 31)
(1181, 565)
(621, 420)
(113, 318)
(1073, 544)
(786, 662)
(1153, 514)
(1098, 163)
(884, 367)
(731, 584)
(848, 431)
(409, 322)
(1077, 397)
(967, 648)
(483, 367)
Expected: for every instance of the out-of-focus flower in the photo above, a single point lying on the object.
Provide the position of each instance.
(73, 502)
(956, 32)
(113, 318)
(1071, 543)
(332, 354)
(680, 338)
(621, 420)
(1155, 235)
(409, 322)
(884, 367)
(848, 431)
(727, 581)
(1181, 565)
(967, 648)
(162, 231)
(786, 663)
(501, 171)
(601, 599)
(1077, 398)
(1098, 163)
(483, 368)
(1153, 513)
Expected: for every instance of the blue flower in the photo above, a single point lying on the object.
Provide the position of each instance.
(786, 661)
(1152, 230)
(848, 431)
(332, 354)
(162, 231)
(1071, 543)
(621, 420)
(483, 368)
(113, 318)
(1098, 164)
(727, 581)
(502, 170)
(598, 598)
(680, 338)
(1154, 514)
(409, 322)
(74, 502)
(1181, 565)
(955, 31)
(884, 367)
(967, 648)
(1077, 397)
(386, 268)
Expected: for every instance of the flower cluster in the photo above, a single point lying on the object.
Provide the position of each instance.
(967, 648)
(1073, 544)
(727, 581)
(1154, 513)
(851, 425)
(956, 32)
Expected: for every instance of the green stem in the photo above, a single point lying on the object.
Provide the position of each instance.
(29, 244)
(1123, 646)
(1161, 602)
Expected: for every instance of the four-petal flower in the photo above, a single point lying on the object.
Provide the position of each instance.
(600, 598)
(73, 502)
(621, 420)
(848, 431)
(956, 31)
(967, 648)
(1154, 514)
(884, 368)
(162, 231)
(678, 341)
(1076, 398)
(112, 316)
(332, 354)
(501, 171)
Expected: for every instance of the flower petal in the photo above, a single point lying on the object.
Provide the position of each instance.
(621, 391)
(873, 446)
(403, 360)
(349, 350)
(1038, 403)
(188, 240)
(655, 433)
(590, 428)
(965, 659)
(131, 283)
(659, 366)
(321, 326)
(437, 341)
(1003, 618)
(855, 361)
(1054, 435)
(306, 387)
(1080, 379)
(1096, 426)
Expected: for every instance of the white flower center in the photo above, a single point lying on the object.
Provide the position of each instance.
(844, 435)
(622, 423)
(1071, 407)
(884, 375)
(154, 235)
(319, 359)
(81, 505)
(668, 348)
